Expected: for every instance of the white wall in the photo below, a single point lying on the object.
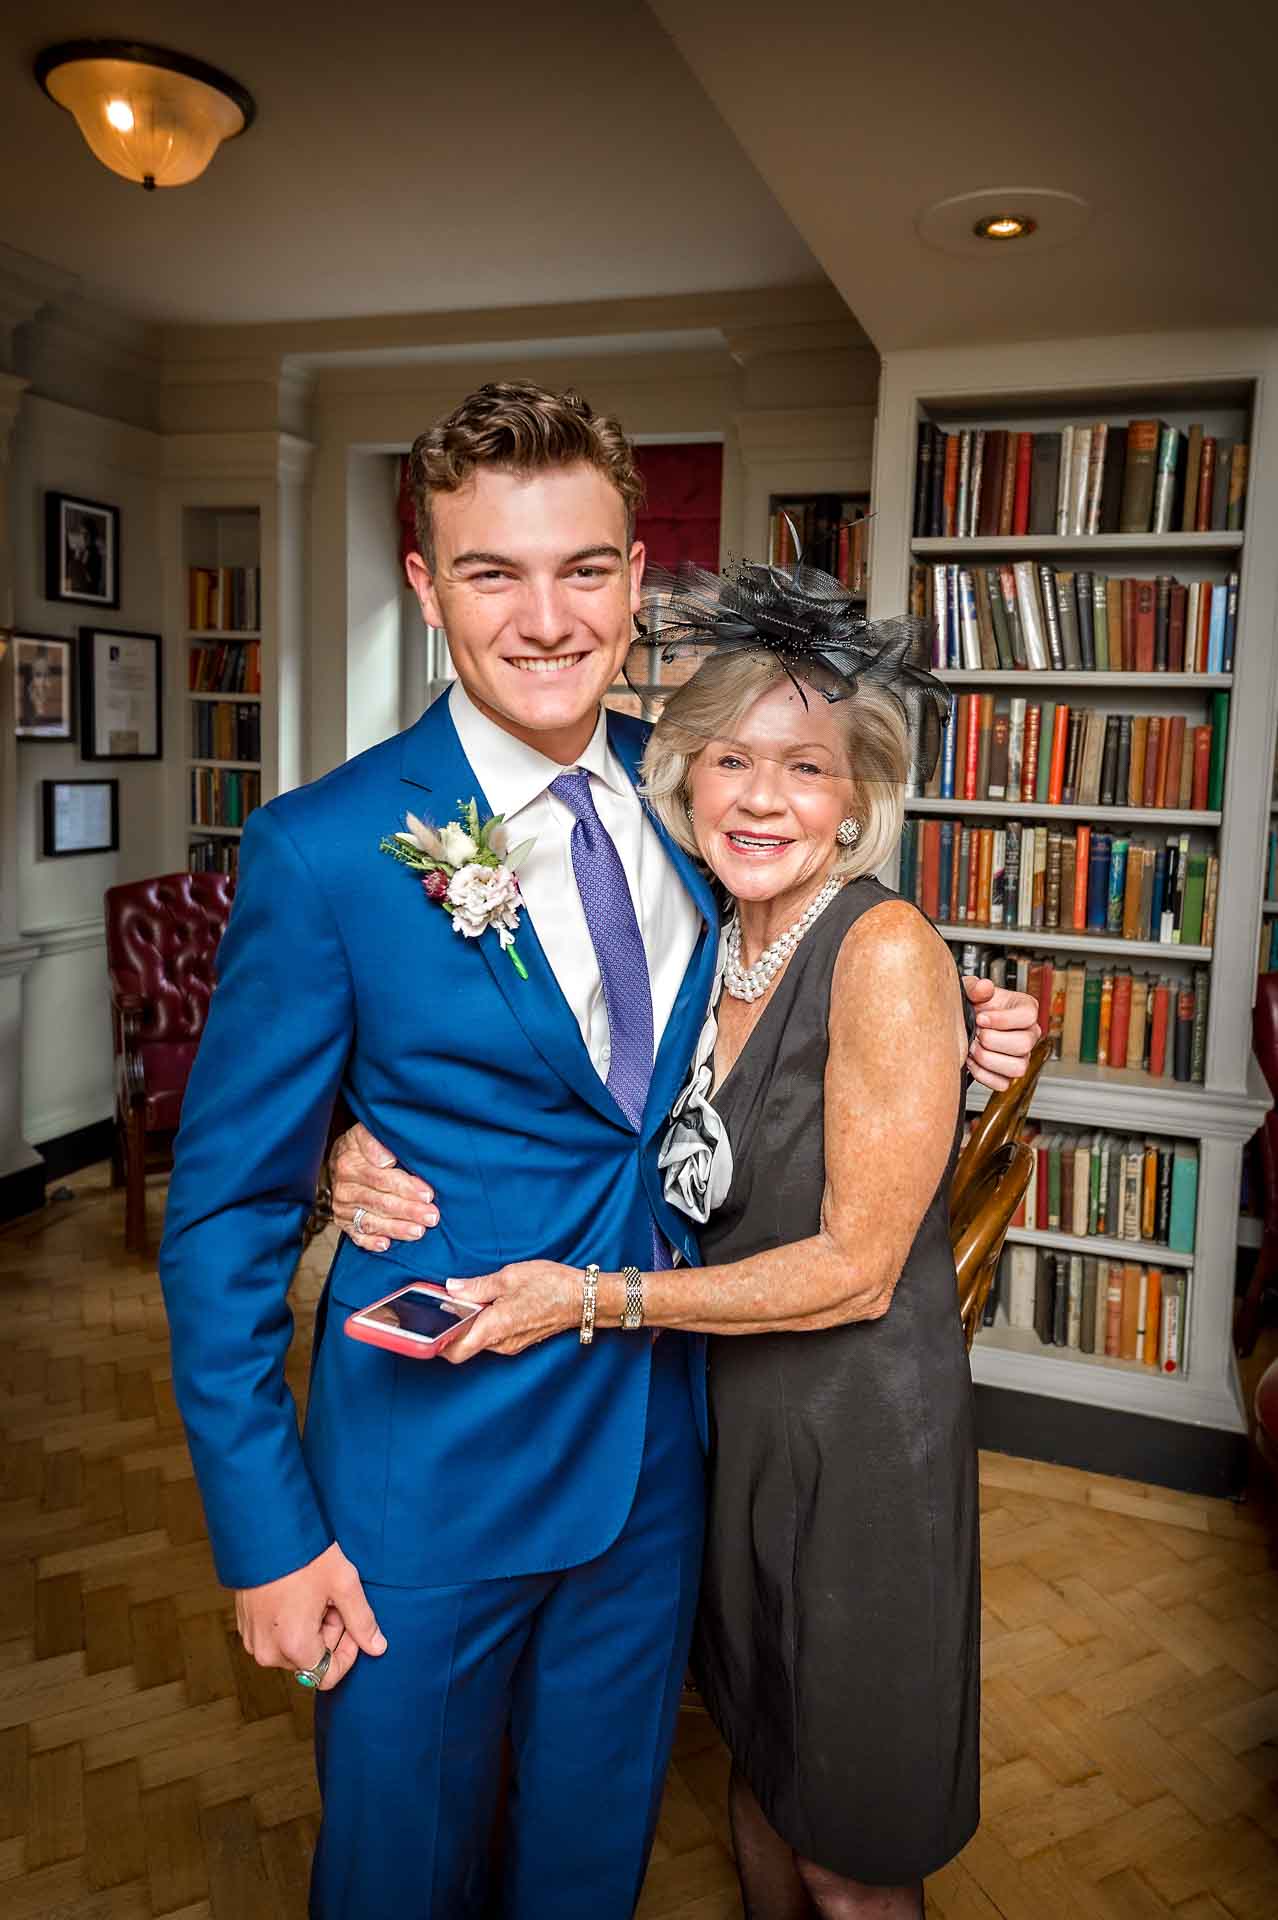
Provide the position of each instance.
(66, 1050)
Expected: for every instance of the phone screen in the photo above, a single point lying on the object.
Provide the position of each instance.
(419, 1313)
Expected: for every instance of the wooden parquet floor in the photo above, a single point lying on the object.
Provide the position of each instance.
(148, 1768)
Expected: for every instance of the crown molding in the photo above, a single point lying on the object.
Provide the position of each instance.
(833, 432)
(326, 342)
(748, 343)
(237, 456)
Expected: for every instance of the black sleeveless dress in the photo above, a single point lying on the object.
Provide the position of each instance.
(838, 1640)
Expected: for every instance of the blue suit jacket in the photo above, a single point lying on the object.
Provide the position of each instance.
(336, 972)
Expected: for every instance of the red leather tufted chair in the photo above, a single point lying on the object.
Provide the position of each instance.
(1264, 1043)
(161, 938)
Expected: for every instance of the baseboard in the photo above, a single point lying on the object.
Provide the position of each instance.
(1132, 1446)
(82, 1148)
(22, 1192)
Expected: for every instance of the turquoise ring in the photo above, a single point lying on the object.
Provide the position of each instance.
(314, 1676)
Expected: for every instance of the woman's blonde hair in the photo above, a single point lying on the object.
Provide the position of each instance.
(711, 704)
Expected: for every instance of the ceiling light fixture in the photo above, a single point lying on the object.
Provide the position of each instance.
(1005, 226)
(152, 116)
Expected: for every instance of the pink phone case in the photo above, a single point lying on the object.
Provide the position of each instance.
(412, 1347)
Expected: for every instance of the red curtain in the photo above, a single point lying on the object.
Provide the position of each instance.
(680, 517)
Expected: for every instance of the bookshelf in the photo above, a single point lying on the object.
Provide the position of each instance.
(234, 554)
(222, 550)
(834, 533)
(1225, 385)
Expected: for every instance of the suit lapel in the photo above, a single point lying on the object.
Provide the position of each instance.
(433, 762)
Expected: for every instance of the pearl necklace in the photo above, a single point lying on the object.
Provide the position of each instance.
(751, 983)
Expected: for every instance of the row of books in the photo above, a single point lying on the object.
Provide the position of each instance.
(1271, 864)
(221, 731)
(1154, 1023)
(1037, 877)
(214, 856)
(1268, 959)
(220, 797)
(1028, 614)
(1120, 1308)
(834, 534)
(234, 668)
(1046, 752)
(224, 599)
(1147, 477)
(1109, 1186)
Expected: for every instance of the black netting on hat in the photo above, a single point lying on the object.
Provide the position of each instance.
(810, 622)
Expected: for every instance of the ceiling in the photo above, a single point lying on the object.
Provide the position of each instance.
(412, 160)
(406, 158)
(1160, 113)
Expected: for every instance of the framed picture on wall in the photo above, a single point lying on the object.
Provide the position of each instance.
(81, 551)
(119, 695)
(80, 816)
(42, 706)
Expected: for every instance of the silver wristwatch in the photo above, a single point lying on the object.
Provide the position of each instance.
(632, 1316)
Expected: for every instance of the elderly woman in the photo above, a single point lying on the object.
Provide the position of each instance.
(837, 1644)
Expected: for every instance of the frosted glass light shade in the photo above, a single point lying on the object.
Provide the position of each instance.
(151, 116)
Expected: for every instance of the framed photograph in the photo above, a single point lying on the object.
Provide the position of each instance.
(42, 687)
(81, 551)
(80, 816)
(119, 695)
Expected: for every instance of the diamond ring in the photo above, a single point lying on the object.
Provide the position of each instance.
(358, 1218)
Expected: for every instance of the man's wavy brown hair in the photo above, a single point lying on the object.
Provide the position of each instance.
(519, 428)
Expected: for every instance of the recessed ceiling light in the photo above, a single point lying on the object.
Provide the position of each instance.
(967, 223)
(1005, 226)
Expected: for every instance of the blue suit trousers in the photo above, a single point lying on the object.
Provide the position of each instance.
(582, 1667)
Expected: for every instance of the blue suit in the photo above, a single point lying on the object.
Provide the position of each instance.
(462, 1494)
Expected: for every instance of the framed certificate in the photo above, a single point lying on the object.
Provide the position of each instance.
(119, 695)
(80, 816)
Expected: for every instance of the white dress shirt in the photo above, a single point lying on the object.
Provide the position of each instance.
(516, 781)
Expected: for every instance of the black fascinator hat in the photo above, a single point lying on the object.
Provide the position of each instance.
(811, 624)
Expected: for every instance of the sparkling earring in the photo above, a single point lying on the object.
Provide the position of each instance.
(848, 832)
(687, 807)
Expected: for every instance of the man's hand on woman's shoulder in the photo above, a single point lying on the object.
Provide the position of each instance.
(1007, 1031)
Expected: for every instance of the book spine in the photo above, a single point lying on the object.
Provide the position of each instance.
(1024, 468)
(1136, 514)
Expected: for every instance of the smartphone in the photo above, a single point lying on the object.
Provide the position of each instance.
(418, 1321)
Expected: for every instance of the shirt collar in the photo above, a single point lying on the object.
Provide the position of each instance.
(513, 774)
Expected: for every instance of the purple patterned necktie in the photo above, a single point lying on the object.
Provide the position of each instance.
(623, 962)
(618, 943)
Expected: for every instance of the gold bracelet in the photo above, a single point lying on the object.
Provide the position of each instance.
(632, 1316)
(589, 1294)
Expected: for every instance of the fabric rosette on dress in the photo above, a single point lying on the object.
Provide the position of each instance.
(696, 1157)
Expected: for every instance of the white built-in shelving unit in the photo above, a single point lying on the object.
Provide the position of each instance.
(1229, 382)
(235, 500)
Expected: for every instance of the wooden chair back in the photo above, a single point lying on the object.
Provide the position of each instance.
(1000, 1120)
(991, 1199)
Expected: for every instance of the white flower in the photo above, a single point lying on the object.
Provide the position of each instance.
(483, 897)
(424, 838)
(458, 847)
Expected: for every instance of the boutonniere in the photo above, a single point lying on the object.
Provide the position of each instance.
(468, 870)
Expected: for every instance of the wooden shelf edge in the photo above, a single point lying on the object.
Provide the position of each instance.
(985, 936)
(1080, 677)
(1026, 545)
(1125, 1386)
(1102, 1246)
(1045, 810)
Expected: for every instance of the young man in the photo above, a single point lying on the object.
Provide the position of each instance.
(454, 1553)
